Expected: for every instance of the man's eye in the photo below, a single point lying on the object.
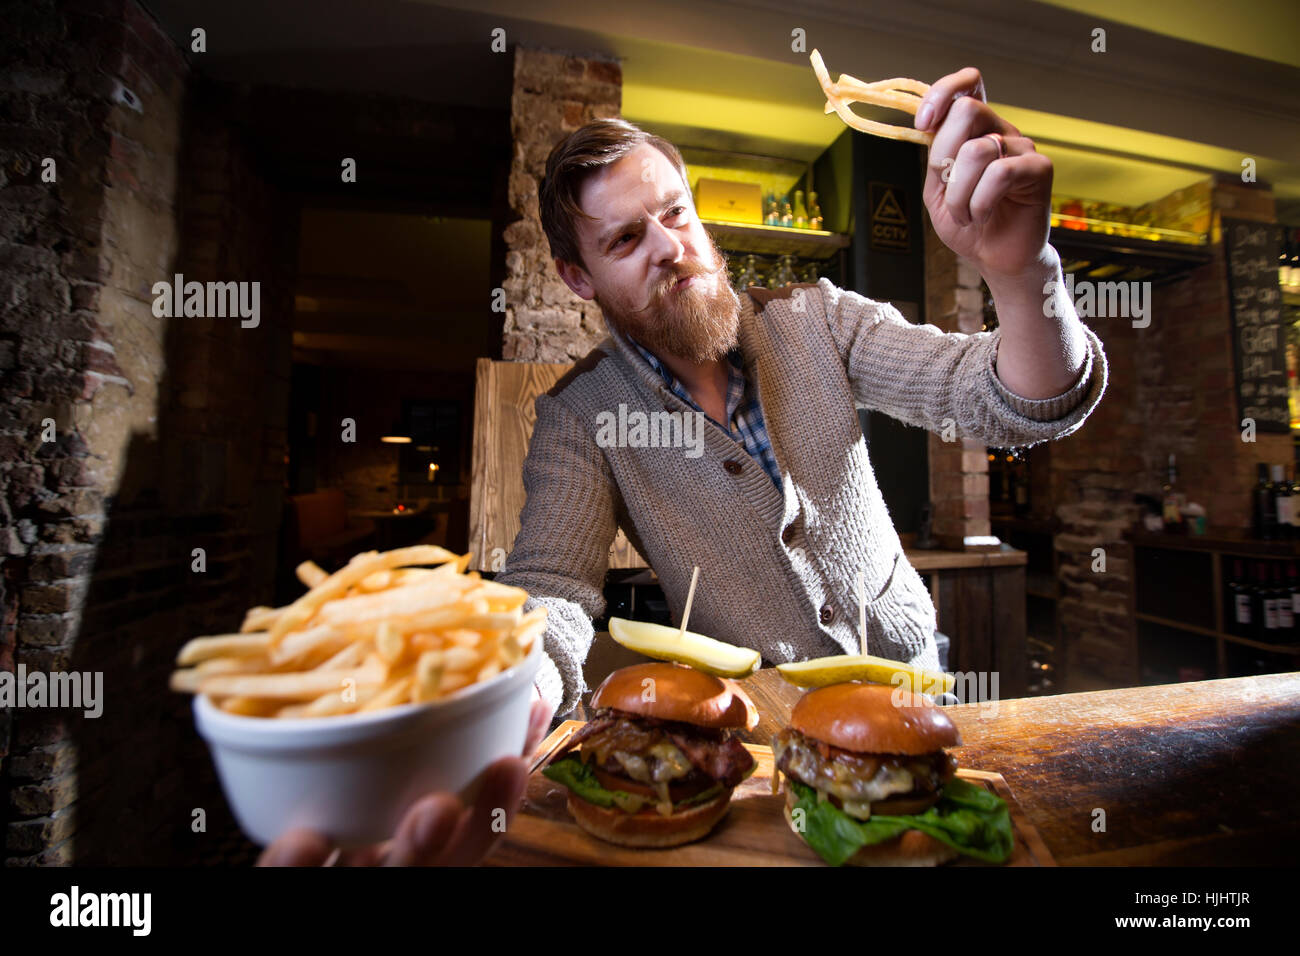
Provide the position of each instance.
(618, 242)
(676, 211)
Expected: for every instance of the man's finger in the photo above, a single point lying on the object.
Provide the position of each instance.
(1021, 176)
(499, 797)
(424, 832)
(967, 120)
(297, 848)
(539, 718)
(936, 103)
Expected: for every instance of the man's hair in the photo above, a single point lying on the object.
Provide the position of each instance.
(576, 157)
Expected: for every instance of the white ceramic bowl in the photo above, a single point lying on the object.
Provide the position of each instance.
(352, 777)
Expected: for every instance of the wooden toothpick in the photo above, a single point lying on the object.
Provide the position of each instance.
(690, 596)
(862, 614)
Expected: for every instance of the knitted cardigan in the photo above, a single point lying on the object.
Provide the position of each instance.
(778, 569)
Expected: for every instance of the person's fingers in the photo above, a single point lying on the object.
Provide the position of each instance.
(297, 848)
(539, 718)
(975, 164)
(424, 832)
(946, 90)
(500, 794)
(1026, 178)
(973, 158)
(364, 856)
(968, 120)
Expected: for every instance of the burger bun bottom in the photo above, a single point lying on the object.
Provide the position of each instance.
(909, 848)
(649, 829)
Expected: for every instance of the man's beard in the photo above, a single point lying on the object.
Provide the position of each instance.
(691, 323)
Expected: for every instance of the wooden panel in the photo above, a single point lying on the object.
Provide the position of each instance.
(503, 425)
(753, 833)
(1007, 626)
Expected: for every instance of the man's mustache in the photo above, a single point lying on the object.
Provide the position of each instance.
(662, 290)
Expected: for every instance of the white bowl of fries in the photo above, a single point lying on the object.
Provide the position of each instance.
(384, 682)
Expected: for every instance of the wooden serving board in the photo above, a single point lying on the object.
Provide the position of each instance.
(753, 833)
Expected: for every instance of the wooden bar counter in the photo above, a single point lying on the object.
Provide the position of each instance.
(1197, 774)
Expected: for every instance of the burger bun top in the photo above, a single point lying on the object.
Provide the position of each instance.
(868, 718)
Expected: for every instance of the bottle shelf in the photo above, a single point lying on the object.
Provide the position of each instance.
(775, 240)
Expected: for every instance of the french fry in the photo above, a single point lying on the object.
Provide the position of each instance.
(428, 676)
(303, 645)
(390, 643)
(462, 636)
(299, 685)
(223, 645)
(249, 706)
(459, 658)
(310, 573)
(398, 691)
(904, 95)
(350, 656)
(260, 619)
(358, 569)
(376, 582)
(392, 602)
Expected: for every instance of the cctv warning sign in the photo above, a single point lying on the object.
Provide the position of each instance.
(889, 227)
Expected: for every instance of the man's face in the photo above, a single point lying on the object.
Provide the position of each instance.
(651, 266)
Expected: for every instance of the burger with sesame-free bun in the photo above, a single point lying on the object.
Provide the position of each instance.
(657, 763)
(868, 782)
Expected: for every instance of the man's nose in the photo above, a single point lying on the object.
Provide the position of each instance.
(666, 248)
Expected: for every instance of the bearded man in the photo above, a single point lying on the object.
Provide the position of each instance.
(781, 510)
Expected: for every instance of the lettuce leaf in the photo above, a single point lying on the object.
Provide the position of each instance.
(570, 771)
(967, 818)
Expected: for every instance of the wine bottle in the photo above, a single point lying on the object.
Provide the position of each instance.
(815, 220)
(1269, 599)
(1282, 501)
(800, 211)
(1285, 616)
(1239, 623)
(1294, 588)
(1265, 516)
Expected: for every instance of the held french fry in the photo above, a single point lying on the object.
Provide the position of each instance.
(851, 90)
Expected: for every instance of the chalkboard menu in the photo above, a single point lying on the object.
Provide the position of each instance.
(1259, 334)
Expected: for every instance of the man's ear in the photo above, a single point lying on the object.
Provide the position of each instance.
(576, 278)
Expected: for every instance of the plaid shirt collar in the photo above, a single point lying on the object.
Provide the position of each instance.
(736, 381)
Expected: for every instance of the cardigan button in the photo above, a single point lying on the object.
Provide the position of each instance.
(733, 467)
(827, 614)
(788, 534)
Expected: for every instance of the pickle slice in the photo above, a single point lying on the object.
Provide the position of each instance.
(822, 671)
(703, 653)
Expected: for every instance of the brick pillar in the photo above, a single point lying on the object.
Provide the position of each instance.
(554, 93)
(86, 225)
(959, 469)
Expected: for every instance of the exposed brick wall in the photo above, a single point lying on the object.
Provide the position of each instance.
(959, 469)
(554, 93)
(170, 432)
(85, 352)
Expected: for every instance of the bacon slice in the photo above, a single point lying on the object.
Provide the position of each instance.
(726, 761)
